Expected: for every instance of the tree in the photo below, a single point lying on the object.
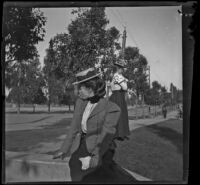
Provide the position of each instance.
(180, 96)
(164, 97)
(174, 92)
(22, 30)
(62, 62)
(156, 87)
(31, 84)
(68, 97)
(53, 85)
(153, 96)
(136, 71)
(150, 97)
(93, 39)
(67, 54)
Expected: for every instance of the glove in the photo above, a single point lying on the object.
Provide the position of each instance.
(85, 162)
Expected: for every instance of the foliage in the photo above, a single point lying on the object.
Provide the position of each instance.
(22, 30)
(54, 87)
(136, 70)
(176, 94)
(87, 40)
(30, 90)
(62, 63)
(93, 39)
(68, 97)
(157, 94)
(34, 83)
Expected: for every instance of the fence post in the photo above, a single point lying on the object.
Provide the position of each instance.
(143, 111)
(136, 107)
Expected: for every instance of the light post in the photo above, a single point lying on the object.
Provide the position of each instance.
(147, 68)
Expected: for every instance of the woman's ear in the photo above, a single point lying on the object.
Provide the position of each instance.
(91, 91)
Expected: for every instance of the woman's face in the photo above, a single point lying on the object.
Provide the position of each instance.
(119, 70)
(85, 92)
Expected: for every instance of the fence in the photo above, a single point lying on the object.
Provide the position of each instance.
(135, 112)
(38, 108)
(147, 111)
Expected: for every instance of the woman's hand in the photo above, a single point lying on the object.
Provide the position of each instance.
(116, 82)
(59, 155)
(85, 162)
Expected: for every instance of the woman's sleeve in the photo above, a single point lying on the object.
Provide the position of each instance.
(124, 86)
(72, 131)
(121, 81)
(106, 135)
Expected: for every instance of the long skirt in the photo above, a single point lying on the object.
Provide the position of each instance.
(107, 172)
(123, 130)
(97, 174)
(75, 164)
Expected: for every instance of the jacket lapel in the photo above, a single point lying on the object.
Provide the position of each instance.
(82, 107)
(99, 107)
(80, 112)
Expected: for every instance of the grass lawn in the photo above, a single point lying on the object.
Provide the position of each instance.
(27, 140)
(154, 151)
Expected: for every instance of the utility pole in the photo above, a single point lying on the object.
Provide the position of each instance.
(148, 69)
(149, 77)
(19, 88)
(123, 43)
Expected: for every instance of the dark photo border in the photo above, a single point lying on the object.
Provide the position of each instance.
(189, 54)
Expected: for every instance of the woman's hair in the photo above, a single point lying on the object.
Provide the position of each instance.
(114, 69)
(97, 85)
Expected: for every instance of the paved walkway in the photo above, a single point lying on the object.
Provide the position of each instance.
(40, 167)
(26, 167)
(134, 124)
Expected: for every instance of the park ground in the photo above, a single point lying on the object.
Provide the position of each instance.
(154, 149)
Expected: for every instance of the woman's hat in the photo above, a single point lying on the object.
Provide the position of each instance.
(120, 63)
(86, 75)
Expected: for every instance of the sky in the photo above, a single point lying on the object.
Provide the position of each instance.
(156, 31)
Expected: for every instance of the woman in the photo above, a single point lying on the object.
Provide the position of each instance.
(93, 126)
(119, 89)
(164, 111)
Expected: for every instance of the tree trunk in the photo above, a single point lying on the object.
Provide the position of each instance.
(74, 104)
(49, 104)
(33, 108)
(18, 102)
(136, 106)
(143, 106)
(143, 111)
(19, 93)
(18, 108)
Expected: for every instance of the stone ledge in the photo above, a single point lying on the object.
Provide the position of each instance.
(26, 167)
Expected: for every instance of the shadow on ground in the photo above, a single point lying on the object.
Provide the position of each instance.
(109, 174)
(35, 121)
(154, 151)
(25, 140)
(42, 112)
(175, 137)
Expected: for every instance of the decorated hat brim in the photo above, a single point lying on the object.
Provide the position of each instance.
(78, 82)
(117, 64)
